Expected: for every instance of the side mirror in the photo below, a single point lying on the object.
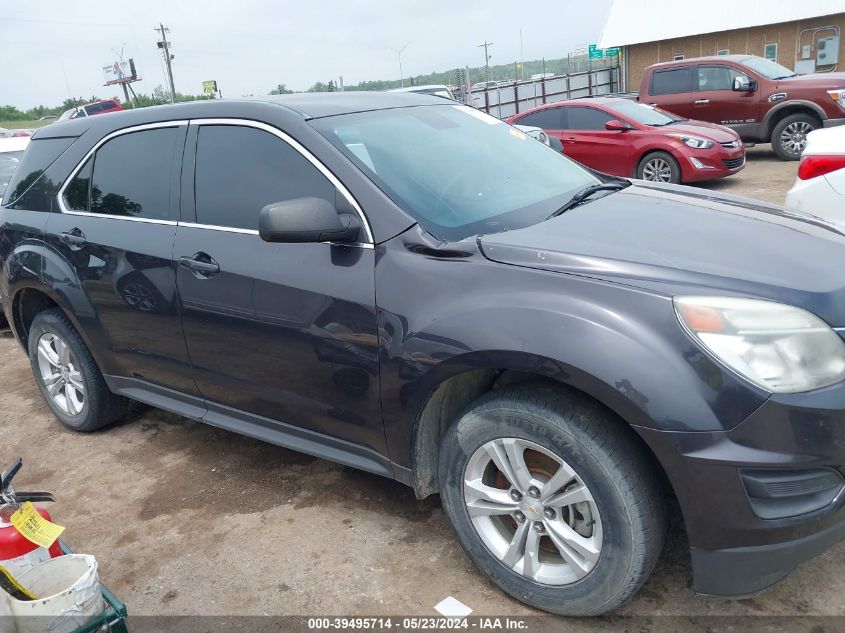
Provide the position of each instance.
(615, 125)
(306, 220)
(744, 84)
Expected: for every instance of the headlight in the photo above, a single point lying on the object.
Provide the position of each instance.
(778, 347)
(693, 141)
(838, 96)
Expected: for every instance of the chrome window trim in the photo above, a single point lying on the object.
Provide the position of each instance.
(128, 130)
(229, 229)
(307, 155)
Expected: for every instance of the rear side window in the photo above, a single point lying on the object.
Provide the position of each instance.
(241, 169)
(672, 81)
(547, 119)
(130, 175)
(39, 155)
(582, 118)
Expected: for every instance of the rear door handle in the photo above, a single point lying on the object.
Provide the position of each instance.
(701, 101)
(73, 238)
(201, 264)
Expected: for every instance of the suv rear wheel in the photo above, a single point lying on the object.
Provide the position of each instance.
(67, 375)
(552, 499)
(789, 136)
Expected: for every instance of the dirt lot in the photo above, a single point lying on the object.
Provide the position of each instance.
(188, 519)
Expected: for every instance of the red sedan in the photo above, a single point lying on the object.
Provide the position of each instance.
(625, 138)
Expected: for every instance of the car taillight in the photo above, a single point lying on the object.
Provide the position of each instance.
(813, 166)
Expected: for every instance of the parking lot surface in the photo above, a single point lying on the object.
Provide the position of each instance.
(188, 519)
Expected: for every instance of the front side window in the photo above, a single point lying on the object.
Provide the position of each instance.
(716, 77)
(129, 175)
(546, 119)
(240, 170)
(455, 170)
(582, 118)
(670, 82)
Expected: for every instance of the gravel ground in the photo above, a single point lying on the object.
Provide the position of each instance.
(188, 519)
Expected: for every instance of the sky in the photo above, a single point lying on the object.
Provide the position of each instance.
(55, 50)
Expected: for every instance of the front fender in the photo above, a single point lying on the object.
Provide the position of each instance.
(619, 344)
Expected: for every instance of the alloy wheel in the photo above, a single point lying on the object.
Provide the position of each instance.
(60, 374)
(657, 170)
(793, 139)
(532, 511)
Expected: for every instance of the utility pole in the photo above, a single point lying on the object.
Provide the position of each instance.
(164, 45)
(521, 57)
(485, 46)
(398, 52)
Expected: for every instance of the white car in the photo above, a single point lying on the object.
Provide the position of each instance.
(438, 90)
(820, 187)
(11, 150)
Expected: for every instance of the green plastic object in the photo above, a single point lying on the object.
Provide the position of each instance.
(114, 616)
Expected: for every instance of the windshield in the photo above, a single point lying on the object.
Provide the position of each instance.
(457, 171)
(8, 162)
(643, 114)
(768, 68)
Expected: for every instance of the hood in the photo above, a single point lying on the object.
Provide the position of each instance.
(815, 80)
(709, 131)
(675, 239)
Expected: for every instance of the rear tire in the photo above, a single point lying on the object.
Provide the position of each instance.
(789, 136)
(594, 550)
(659, 167)
(68, 377)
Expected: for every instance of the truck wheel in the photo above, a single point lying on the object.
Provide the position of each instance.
(553, 499)
(67, 375)
(789, 137)
(659, 167)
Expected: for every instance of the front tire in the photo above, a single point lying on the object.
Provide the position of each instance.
(659, 167)
(553, 499)
(789, 136)
(67, 375)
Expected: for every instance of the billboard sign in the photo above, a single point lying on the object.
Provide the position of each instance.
(209, 87)
(119, 72)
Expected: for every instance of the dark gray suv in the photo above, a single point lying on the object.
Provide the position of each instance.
(419, 290)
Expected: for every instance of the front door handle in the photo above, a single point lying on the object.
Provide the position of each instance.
(568, 139)
(201, 264)
(73, 238)
(701, 101)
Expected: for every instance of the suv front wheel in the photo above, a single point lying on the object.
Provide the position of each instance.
(67, 375)
(552, 499)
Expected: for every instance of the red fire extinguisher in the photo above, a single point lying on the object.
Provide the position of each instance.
(17, 553)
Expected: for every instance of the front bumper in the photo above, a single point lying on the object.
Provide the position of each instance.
(717, 162)
(734, 551)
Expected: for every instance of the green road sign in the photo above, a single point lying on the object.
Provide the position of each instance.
(594, 52)
(611, 52)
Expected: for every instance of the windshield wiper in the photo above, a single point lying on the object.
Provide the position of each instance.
(785, 76)
(586, 192)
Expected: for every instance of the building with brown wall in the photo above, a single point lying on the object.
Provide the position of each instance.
(698, 30)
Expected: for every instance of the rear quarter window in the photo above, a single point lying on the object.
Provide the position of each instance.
(671, 81)
(39, 155)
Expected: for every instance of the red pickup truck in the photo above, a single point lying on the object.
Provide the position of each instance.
(760, 99)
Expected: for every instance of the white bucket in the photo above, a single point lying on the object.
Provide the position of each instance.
(69, 595)
(7, 620)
